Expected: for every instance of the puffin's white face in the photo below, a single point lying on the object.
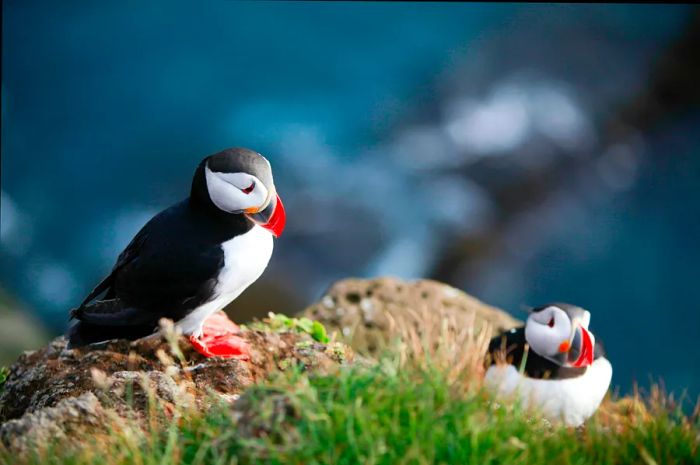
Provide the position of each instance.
(237, 192)
(547, 329)
(561, 335)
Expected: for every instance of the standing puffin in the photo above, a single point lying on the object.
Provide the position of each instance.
(191, 260)
(552, 363)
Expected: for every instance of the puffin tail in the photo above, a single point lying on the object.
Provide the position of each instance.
(83, 333)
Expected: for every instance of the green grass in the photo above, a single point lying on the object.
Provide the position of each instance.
(278, 322)
(390, 413)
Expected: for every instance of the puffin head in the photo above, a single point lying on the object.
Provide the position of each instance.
(238, 181)
(559, 332)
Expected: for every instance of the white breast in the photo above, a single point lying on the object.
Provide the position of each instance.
(245, 259)
(571, 400)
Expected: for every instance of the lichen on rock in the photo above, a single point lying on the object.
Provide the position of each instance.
(368, 313)
(69, 416)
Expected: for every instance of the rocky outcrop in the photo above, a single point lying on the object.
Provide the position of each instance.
(49, 390)
(57, 392)
(72, 415)
(370, 312)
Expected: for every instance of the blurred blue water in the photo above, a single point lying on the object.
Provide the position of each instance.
(373, 116)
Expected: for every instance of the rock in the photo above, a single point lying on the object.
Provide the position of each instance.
(45, 387)
(129, 392)
(69, 416)
(370, 312)
(55, 392)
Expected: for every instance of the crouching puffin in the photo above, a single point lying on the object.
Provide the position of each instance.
(191, 260)
(552, 364)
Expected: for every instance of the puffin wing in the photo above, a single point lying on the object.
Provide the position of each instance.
(169, 283)
(158, 274)
(111, 312)
(109, 309)
(508, 343)
(128, 254)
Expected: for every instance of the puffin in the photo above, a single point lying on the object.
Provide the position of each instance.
(191, 260)
(552, 363)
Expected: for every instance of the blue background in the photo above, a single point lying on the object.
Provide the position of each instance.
(466, 142)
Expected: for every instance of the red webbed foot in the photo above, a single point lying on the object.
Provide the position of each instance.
(220, 338)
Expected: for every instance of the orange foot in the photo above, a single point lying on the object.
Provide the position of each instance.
(220, 339)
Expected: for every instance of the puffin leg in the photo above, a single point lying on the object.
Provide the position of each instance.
(220, 337)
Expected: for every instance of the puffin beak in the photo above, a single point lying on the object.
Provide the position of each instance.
(272, 217)
(581, 345)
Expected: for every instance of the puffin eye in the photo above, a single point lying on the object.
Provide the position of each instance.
(249, 189)
(551, 322)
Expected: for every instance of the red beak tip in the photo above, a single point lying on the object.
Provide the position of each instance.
(586, 357)
(278, 219)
